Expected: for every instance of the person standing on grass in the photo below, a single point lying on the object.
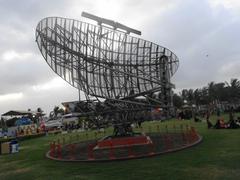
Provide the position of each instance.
(207, 119)
(231, 114)
(218, 112)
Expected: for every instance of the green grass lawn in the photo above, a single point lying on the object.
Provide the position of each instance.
(217, 157)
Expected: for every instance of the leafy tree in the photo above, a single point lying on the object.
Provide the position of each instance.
(190, 96)
(213, 92)
(197, 96)
(234, 90)
(177, 101)
(56, 111)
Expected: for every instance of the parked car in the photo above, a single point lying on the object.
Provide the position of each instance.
(70, 118)
(53, 123)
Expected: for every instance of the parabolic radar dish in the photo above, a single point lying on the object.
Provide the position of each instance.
(105, 61)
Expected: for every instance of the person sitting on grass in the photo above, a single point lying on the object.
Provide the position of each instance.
(238, 122)
(220, 124)
(232, 123)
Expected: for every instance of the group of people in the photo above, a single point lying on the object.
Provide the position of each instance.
(184, 114)
(233, 123)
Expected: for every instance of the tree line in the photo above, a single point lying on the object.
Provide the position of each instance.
(228, 92)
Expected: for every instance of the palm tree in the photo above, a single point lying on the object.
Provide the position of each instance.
(234, 90)
(197, 96)
(184, 94)
(204, 98)
(190, 96)
(220, 91)
(212, 91)
(56, 111)
(39, 110)
(39, 114)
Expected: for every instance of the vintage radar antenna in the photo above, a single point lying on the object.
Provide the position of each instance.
(106, 62)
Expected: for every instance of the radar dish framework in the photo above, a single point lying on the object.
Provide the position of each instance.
(128, 76)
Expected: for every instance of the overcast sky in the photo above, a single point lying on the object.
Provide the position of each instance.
(203, 34)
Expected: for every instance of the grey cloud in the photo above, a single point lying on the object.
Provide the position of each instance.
(203, 40)
(18, 76)
(45, 99)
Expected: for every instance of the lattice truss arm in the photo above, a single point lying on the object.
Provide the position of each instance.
(103, 62)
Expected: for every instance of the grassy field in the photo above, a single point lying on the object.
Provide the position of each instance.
(217, 157)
